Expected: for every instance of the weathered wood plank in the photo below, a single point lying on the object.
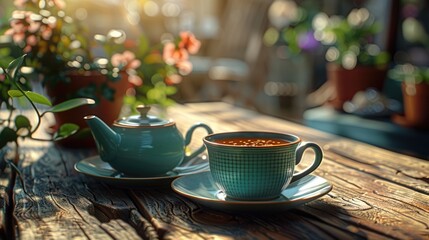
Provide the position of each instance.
(349, 211)
(60, 204)
(401, 169)
(377, 194)
(373, 176)
(180, 218)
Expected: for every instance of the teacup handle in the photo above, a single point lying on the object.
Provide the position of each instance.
(317, 159)
(188, 139)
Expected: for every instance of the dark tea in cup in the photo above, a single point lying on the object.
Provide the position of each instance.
(252, 141)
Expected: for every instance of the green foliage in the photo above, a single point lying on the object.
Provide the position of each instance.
(19, 126)
(57, 44)
(350, 40)
(32, 96)
(410, 73)
(7, 134)
(69, 104)
(66, 130)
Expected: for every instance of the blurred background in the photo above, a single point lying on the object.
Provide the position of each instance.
(272, 55)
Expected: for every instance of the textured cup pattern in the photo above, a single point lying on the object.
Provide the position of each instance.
(252, 173)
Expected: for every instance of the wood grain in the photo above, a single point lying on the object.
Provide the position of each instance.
(377, 194)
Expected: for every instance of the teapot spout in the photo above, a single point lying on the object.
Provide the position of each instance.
(106, 139)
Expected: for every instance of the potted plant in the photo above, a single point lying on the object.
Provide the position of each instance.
(16, 126)
(413, 74)
(355, 62)
(415, 93)
(71, 63)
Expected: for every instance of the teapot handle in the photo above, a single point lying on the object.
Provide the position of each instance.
(188, 139)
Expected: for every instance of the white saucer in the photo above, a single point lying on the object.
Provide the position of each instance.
(96, 168)
(201, 188)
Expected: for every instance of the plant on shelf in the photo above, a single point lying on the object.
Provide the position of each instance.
(73, 63)
(57, 45)
(163, 66)
(350, 40)
(410, 74)
(414, 77)
(355, 61)
(15, 126)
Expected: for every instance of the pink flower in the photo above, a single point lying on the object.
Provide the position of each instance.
(135, 80)
(27, 49)
(184, 67)
(58, 3)
(31, 40)
(34, 26)
(19, 25)
(173, 79)
(51, 3)
(46, 32)
(20, 3)
(189, 42)
(23, 25)
(126, 60)
(173, 55)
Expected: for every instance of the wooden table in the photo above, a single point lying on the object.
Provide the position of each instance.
(377, 194)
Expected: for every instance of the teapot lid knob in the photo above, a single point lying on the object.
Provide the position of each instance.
(143, 120)
(143, 110)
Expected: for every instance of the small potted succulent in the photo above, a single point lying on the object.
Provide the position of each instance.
(355, 62)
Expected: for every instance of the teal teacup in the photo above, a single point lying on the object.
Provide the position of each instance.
(257, 165)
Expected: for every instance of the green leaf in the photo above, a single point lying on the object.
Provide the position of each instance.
(15, 65)
(7, 135)
(15, 93)
(69, 104)
(170, 90)
(22, 122)
(143, 46)
(34, 97)
(65, 130)
(38, 98)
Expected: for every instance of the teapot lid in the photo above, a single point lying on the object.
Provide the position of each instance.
(142, 120)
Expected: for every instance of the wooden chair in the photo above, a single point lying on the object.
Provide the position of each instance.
(233, 69)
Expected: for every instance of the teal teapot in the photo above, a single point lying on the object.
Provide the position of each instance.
(143, 145)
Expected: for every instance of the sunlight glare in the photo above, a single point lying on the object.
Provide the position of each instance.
(170, 9)
(150, 8)
(81, 14)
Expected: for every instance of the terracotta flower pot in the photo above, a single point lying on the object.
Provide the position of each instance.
(416, 99)
(347, 83)
(107, 110)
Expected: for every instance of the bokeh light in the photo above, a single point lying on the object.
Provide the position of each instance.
(358, 17)
(282, 12)
(151, 8)
(332, 54)
(349, 60)
(271, 36)
(373, 49)
(413, 30)
(320, 21)
(81, 14)
(170, 9)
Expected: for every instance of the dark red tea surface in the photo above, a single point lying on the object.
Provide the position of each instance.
(252, 142)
